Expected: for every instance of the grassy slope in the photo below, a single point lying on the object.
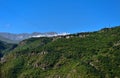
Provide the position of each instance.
(92, 55)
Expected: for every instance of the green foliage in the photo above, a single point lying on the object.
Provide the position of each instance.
(5, 47)
(82, 55)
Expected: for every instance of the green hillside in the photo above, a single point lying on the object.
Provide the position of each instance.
(5, 48)
(81, 55)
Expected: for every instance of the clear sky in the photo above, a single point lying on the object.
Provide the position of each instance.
(20, 16)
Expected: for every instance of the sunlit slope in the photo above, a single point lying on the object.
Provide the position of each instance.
(82, 55)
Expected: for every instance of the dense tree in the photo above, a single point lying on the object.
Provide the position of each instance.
(81, 55)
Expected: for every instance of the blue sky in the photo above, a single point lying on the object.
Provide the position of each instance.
(19, 16)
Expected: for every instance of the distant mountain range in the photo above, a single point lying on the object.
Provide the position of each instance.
(10, 37)
(81, 55)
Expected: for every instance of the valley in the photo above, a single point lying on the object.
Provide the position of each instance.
(81, 55)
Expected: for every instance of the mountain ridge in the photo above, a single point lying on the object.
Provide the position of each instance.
(22, 36)
(80, 55)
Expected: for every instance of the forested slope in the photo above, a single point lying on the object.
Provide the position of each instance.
(81, 55)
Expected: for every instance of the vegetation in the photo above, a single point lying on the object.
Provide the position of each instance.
(81, 55)
(5, 48)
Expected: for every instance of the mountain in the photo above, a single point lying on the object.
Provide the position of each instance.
(81, 55)
(5, 48)
(7, 40)
(20, 37)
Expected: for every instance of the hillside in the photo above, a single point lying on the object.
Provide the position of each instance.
(7, 40)
(6, 47)
(15, 38)
(82, 55)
